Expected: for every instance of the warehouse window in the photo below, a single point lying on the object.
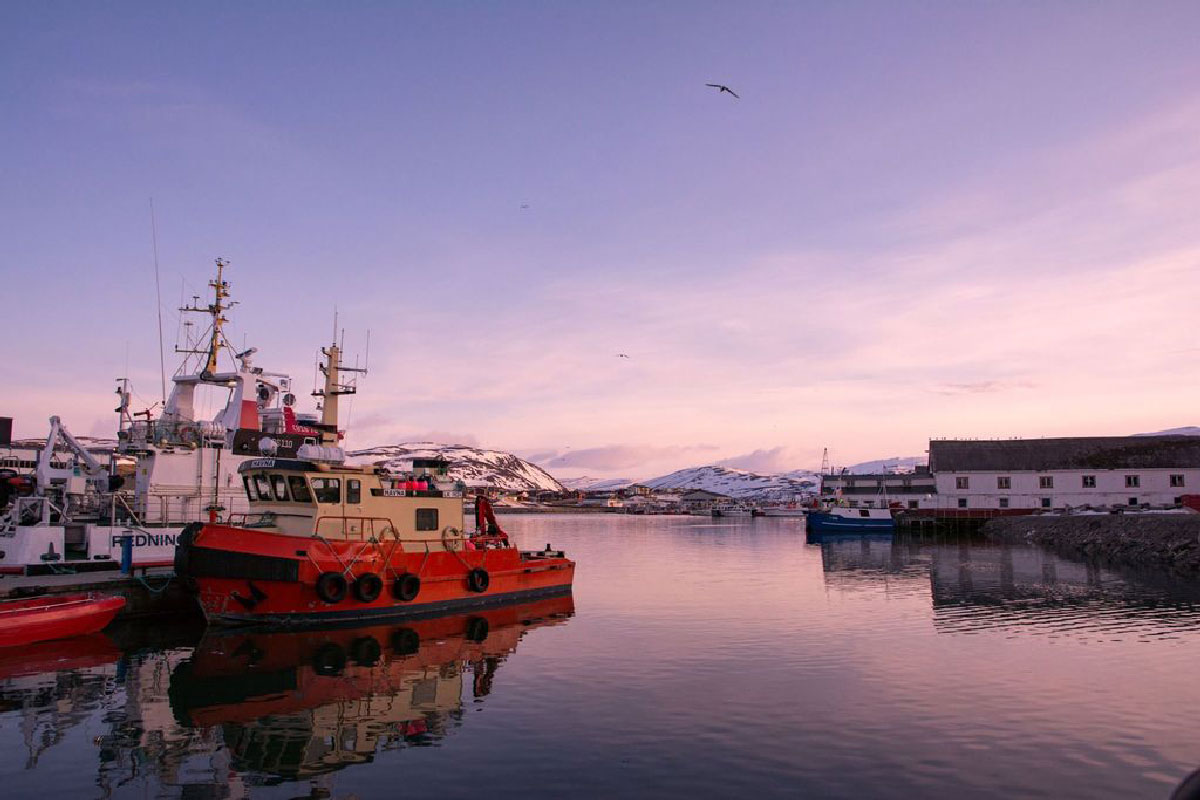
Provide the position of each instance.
(1133, 481)
(1045, 502)
(962, 483)
(1046, 482)
(1004, 482)
(1176, 481)
(1089, 481)
(1004, 502)
(962, 502)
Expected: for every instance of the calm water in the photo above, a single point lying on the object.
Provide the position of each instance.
(696, 659)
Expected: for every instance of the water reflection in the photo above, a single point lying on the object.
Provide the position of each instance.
(294, 705)
(246, 709)
(977, 585)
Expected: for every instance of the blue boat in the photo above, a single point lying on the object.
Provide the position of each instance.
(837, 519)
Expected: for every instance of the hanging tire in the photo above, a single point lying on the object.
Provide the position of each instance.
(405, 642)
(331, 587)
(406, 587)
(477, 630)
(329, 659)
(367, 587)
(365, 651)
(478, 580)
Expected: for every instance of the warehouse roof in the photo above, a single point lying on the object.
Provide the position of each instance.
(1086, 452)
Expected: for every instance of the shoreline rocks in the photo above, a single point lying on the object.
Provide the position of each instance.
(1170, 541)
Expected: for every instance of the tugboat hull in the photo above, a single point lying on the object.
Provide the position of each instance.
(244, 576)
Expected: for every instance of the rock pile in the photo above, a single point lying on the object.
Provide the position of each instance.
(1134, 540)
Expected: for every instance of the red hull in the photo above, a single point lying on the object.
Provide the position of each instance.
(38, 619)
(244, 576)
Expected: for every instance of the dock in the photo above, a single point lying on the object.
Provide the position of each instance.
(149, 592)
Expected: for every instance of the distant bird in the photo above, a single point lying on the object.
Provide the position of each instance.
(723, 88)
(622, 355)
(524, 205)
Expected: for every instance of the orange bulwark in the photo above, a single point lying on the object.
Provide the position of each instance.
(244, 575)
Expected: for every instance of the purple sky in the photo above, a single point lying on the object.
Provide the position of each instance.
(920, 219)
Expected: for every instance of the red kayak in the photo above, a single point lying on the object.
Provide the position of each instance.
(37, 619)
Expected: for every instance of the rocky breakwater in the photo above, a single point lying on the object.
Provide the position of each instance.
(1170, 541)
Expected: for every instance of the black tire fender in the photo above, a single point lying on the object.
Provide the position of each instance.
(367, 587)
(406, 587)
(478, 580)
(331, 587)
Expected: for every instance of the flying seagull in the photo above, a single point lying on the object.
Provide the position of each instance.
(723, 88)
(622, 355)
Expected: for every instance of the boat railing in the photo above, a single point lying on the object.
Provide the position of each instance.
(33, 510)
(350, 527)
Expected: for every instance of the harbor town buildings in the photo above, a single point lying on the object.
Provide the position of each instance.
(1094, 471)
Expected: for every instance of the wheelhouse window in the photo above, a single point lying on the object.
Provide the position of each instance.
(263, 487)
(1133, 481)
(427, 519)
(353, 492)
(327, 490)
(1089, 481)
(1004, 482)
(250, 495)
(1176, 481)
(299, 489)
(279, 487)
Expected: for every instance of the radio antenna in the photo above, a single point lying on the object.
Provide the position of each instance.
(162, 363)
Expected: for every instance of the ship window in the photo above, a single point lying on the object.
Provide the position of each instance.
(327, 490)
(249, 490)
(353, 492)
(279, 485)
(427, 519)
(299, 489)
(864, 513)
(263, 487)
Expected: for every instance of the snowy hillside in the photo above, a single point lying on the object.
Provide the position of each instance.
(474, 466)
(896, 463)
(590, 484)
(1189, 430)
(738, 483)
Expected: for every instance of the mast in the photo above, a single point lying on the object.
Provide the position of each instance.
(333, 388)
(215, 310)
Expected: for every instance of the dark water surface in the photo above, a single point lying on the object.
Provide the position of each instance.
(696, 659)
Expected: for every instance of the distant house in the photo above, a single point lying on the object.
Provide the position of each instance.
(1098, 471)
(879, 490)
(700, 499)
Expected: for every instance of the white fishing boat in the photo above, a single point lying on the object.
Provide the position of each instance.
(731, 510)
(73, 513)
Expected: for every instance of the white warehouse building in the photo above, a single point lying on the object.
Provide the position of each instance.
(1093, 471)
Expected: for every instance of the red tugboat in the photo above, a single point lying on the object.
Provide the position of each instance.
(325, 542)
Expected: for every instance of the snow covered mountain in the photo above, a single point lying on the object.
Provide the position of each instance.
(903, 463)
(474, 466)
(738, 483)
(588, 483)
(1188, 430)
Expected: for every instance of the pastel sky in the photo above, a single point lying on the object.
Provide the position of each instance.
(921, 219)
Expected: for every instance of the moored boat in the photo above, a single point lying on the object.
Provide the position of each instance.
(326, 542)
(40, 619)
(841, 519)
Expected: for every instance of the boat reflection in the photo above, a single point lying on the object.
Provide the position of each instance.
(977, 584)
(294, 705)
